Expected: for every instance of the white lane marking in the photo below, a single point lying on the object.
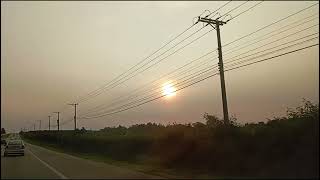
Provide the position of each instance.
(87, 160)
(68, 155)
(58, 153)
(50, 167)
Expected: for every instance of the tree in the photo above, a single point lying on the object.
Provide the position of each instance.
(3, 131)
(212, 121)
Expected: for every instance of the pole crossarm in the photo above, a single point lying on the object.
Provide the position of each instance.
(211, 21)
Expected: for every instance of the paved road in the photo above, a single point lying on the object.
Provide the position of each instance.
(41, 163)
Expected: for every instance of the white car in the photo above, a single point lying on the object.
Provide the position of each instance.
(14, 147)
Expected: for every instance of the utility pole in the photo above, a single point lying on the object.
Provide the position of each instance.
(39, 125)
(49, 122)
(75, 114)
(216, 25)
(58, 119)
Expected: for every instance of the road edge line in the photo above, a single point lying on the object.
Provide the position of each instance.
(92, 161)
(60, 153)
(50, 167)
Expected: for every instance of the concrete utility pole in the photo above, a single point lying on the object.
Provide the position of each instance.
(58, 119)
(75, 114)
(216, 25)
(49, 122)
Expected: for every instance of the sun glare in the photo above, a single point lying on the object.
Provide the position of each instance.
(168, 90)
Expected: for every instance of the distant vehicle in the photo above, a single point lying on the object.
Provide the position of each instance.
(14, 147)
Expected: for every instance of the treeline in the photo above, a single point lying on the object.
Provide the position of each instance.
(282, 147)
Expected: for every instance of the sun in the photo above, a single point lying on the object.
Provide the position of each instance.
(168, 90)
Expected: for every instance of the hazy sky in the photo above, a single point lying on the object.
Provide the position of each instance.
(54, 52)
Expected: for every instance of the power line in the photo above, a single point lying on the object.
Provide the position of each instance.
(176, 69)
(102, 88)
(223, 6)
(187, 29)
(193, 75)
(218, 8)
(176, 84)
(154, 52)
(156, 92)
(209, 77)
(228, 59)
(282, 44)
(257, 39)
(273, 57)
(225, 45)
(249, 59)
(166, 75)
(290, 46)
(159, 60)
(233, 9)
(149, 96)
(270, 24)
(246, 10)
(276, 31)
(141, 100)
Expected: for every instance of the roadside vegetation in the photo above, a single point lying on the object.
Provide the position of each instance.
(281, 147)
(3, 131)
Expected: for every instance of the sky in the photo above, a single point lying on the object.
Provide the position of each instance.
(52, 53)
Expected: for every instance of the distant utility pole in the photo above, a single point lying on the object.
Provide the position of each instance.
(39, 125)
(75, 114)
(58, 119)
(216, 25)
(49, 122)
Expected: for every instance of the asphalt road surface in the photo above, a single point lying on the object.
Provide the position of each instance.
(41, 163)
